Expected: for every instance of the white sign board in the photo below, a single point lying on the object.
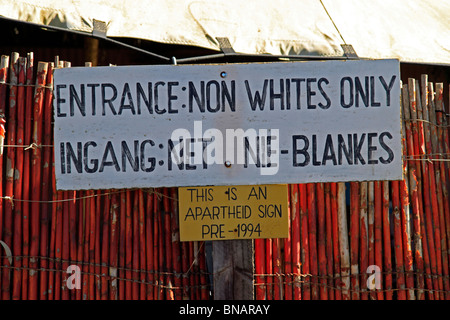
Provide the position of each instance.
(234, 124)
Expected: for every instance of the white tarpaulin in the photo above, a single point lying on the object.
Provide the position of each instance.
(408, 30)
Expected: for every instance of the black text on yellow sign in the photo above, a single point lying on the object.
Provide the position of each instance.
(233, 212)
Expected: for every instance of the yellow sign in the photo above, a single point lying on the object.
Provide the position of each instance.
(233, 212)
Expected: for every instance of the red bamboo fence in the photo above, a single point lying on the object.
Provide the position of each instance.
(347, 241)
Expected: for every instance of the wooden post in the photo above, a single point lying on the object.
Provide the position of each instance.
(233, 269)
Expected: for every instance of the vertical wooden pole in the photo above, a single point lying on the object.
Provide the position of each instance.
(233, 269)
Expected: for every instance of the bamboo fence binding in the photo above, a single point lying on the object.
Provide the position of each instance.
(368, 240)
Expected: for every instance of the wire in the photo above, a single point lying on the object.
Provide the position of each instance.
(332, 21)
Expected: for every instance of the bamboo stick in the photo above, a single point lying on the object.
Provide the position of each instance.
(46, 186)
(276, 257)
(354, 239)
(370, 228)
(398, 243)
(269, 268)
(185, 268)
(128, 247)
(161, 247)
(85, 248)
(73, 241)
(17, 98)
(80, 243)
(404, 198)
(122, 243)
(428, 242)
(378, 225)
(65, 254)
(322, 241)
(295, 228)
(444, 181)
(142, 246)
(329, 241)
(168, 244)
(415, 129)
(288, 257)
(304, 248)
(97, 245)
(135, 246)
(150, 246)
(442, 254)
(343, 240)
(51, 250)
(26, 174)
(435, 229)
(158, 294)
(312, 228)
(10, 167)
(107, 212)
(90, 245)
(58, 245)
(363, 227)
(4, 63)
(176, 256)
(387, 266)
(114, 247)
(414, 190)
(36, 177)
(336, 246)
